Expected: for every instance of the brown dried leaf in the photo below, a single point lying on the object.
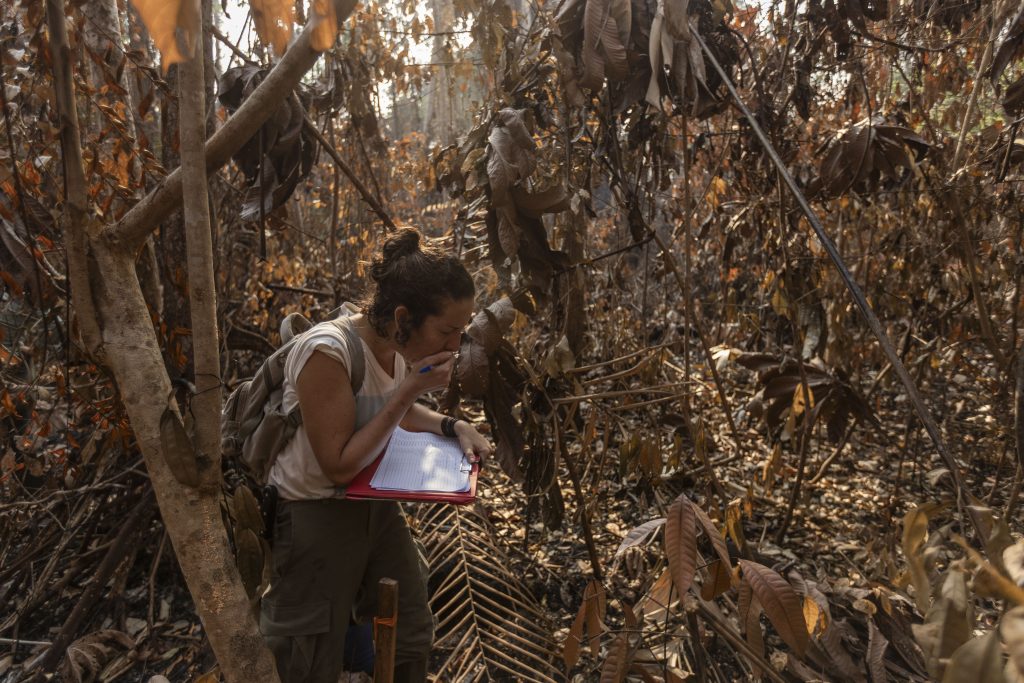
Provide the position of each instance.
(510, 153)
(638, 535)
(473, 368)
(606, 26)
(617, 663)
(325, 25)
(780, 602)
(273, 20)
(571, 647)
(681, 543)
(979, 660)
(721, 570)
(86, 657)
(915, 533)
(490, 324)
(249, 558)
(177, 448)
(849, 158)
(947, 625)
(1013, 100)
(655, 602)
(596, 603)
(246, 510)
(877, 645)
(749, 612)
(163, 18)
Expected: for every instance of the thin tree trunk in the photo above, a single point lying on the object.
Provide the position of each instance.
(75, 217)
(206, 404)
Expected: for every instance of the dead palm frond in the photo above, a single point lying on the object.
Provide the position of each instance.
(489, 625)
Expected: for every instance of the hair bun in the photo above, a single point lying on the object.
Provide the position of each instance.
(404, 242)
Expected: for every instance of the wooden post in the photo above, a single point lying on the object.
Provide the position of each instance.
(384, 625)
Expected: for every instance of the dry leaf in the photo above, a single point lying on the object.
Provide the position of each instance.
(163, 19)
(780, 602)
(273, 20)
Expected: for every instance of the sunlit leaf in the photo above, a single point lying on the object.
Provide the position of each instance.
(163, 20)
(273, 20)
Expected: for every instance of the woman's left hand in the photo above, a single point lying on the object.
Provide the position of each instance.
(473, 443)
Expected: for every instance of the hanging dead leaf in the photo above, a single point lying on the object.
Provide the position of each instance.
(472, 369)
(273, 20)
(249, 557)
(1013, 100)
(915, 533)
(489, 325)
(325, 25)
(560, 359)
(638, 535)
(859, 153)
(947, 625)
(780, 602)
(177, 448)
(163, 19)
(681, 543)
(606, 26)
(720, 571)
(246, 510)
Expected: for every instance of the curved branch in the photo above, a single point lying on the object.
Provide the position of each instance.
(142, 219)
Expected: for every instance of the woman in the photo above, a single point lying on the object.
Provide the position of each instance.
(329, 552)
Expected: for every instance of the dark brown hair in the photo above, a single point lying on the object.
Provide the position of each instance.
(418, 276)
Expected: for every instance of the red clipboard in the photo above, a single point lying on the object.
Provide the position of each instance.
(359, 488)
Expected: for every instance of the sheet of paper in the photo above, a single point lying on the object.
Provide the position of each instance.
(419, 461)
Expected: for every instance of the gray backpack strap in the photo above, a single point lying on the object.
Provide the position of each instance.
(355, 354)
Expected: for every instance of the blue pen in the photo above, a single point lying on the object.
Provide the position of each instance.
(426, 369)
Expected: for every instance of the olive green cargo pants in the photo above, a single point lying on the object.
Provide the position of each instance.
(328, 557)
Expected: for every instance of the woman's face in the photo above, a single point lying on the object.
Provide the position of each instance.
(441, 332)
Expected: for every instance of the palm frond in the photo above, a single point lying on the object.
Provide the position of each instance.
(489, 625)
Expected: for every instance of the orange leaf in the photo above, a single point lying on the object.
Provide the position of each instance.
(8, 404)
(325, 25)
(163, 18)
(273, 20)
(11, 282)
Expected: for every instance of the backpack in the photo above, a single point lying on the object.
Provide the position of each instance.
(254, 428)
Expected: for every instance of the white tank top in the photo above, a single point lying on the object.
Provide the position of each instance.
(296, 472)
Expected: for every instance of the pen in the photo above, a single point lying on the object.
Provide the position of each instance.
(426, 368)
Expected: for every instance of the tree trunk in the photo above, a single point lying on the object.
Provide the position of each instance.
(176, 321)
(116, 326)
(192, 515)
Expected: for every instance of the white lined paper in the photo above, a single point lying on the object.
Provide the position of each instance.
(421, 461)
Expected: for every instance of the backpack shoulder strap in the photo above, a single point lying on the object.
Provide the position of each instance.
(357, 372)
(355, 353)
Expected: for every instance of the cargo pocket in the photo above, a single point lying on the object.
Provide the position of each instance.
(291, 631)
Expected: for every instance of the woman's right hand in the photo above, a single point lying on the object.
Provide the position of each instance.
(421, 380)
